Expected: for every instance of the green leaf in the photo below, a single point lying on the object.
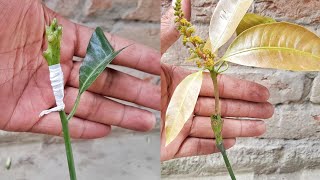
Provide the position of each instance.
(182, 104)
(278, 45)
(225, 20)
(249, 20)
(99, 54)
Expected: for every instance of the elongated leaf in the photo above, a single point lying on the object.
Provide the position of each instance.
(249, 20)
(277, 45)
(182, 104)
(225, 20)
(99, 54)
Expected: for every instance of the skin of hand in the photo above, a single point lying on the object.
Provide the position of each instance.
(25, 88)
(239, 98)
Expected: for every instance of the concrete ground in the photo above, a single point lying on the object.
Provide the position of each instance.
(122, 155)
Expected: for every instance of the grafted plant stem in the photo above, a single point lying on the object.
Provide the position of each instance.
(214, 77)
(217, 123)
(226, 160)
(67, 142)
(52, 55)
(204, 58)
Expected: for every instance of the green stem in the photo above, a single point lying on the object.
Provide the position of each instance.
(66, 136)
(226, 160)
(214, 76)
(75, 106)
(217, 123)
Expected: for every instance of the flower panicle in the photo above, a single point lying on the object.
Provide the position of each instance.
(203, 57)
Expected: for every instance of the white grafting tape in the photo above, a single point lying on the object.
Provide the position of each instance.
(57, 84)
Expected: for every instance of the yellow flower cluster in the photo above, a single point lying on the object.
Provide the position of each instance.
(202, 57)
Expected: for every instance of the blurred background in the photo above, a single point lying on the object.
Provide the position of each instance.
(290, 150)
(122, 155)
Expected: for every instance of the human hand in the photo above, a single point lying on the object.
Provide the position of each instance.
(239, 98)
(25, 88)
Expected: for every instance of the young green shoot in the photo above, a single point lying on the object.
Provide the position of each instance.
(52, 55)
(99, 55)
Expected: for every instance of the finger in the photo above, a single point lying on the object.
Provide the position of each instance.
(229, 87)
(76, 39)
(234, 108)
(79, 128)
(121, 86)
(169, 151)
(201, 128)
(136, 56)
(198, 146)
(233, 88)
(169, 33)
(105, 111)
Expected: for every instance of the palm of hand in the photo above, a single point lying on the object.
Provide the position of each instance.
(24, 83)
(240, 98)
(25, 88)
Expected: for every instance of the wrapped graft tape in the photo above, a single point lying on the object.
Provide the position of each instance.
(57, 84)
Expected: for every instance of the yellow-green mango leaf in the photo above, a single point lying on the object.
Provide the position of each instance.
(279, 45)
(182, 104)
(249, 20)
(225, 19)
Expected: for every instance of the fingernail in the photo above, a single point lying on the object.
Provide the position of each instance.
(261, 128)
(267, 94)
(152, 122)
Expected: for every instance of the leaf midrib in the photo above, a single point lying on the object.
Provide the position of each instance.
(272, 49)
(92, 72)
(227, 25)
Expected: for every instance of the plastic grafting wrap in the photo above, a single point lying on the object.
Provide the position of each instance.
(56, 78)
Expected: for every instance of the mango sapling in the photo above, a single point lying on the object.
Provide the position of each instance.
(99, 54)
(261, 42)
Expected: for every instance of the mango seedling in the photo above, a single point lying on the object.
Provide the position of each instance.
(260, 42)
(99, 54)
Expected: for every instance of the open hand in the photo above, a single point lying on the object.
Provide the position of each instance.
(239, 98)
(25, 88)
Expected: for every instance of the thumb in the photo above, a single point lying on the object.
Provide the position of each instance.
(169, 33)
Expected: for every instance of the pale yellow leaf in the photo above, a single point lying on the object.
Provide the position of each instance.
(225, 19)
(276, 45)
(182, 104)
(249, 20)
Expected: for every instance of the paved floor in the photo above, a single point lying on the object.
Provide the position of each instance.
(122, 155)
